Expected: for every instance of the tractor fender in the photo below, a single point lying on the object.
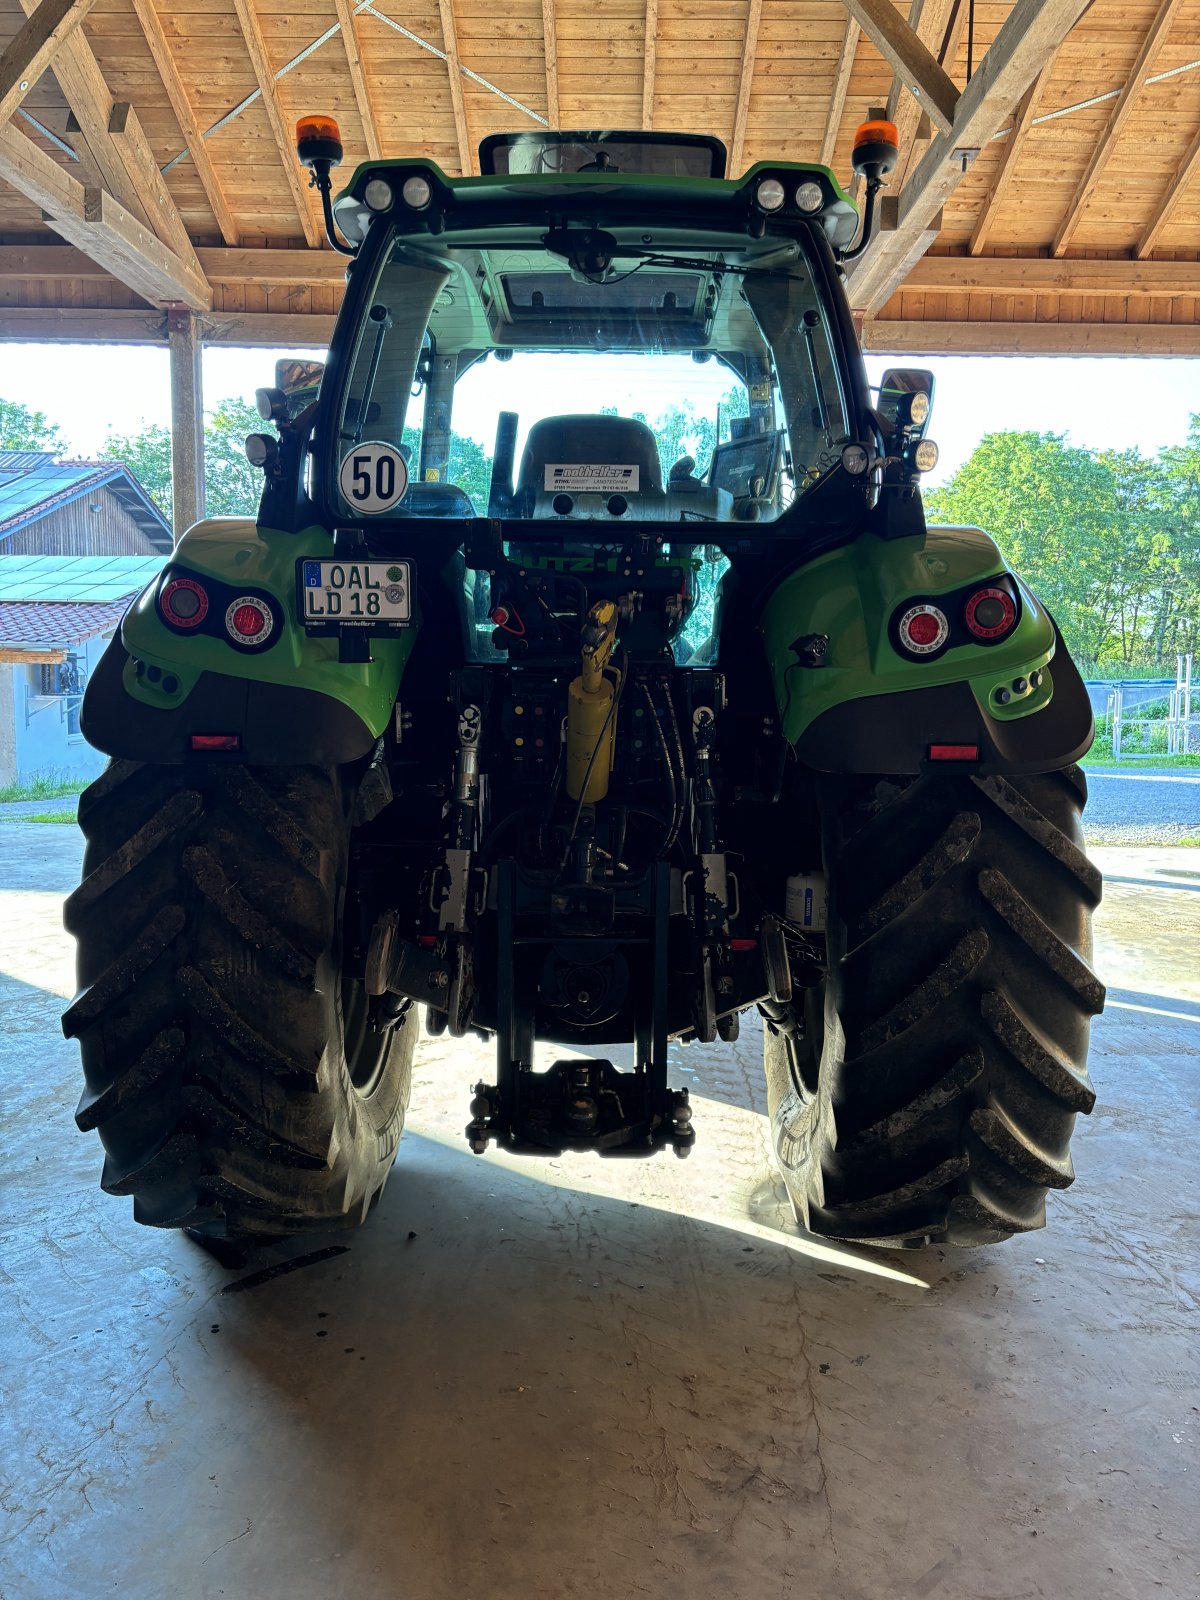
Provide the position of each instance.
(850, 700)
(289, 700)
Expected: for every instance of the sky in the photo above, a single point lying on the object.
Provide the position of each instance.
(1101, 402)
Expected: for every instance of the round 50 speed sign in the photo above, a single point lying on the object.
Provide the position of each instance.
(373, 477)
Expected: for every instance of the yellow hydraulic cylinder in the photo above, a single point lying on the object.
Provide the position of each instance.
(591, 718)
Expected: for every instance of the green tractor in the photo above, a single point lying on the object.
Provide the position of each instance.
(589, 676)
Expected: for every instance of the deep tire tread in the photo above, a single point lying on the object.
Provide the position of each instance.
(208, 1011)
(957, 1016)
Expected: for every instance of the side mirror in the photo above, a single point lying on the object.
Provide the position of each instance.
(905, 402)
(296, 384)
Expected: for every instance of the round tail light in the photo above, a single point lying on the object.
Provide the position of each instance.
(249, 621)
(990, 613)
(184, 603)
(923, 630)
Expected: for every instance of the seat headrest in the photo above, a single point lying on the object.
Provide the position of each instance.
(574, 441)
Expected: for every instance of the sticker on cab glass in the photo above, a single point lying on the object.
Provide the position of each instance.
(598, 477)
(373, 477)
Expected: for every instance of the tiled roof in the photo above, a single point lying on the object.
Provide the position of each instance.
(81, 578)
(27, 625)
(33, 483)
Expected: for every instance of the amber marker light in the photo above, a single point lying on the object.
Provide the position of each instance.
(318, 139)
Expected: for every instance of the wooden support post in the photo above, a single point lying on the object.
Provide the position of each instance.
(187, 422)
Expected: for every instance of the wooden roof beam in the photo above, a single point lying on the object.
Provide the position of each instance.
(189, 124)
(1030, 35)
(101, 227)
(362, 94)
(841, 85)
(466, 152)
(1121, 113)
(909, 57)
(741, 108)
(257, 50)
(31, 50)
(939, 24)
(1188, 168)
(649, 55)
(1013, 145)
(550, 47)
(1031, 339)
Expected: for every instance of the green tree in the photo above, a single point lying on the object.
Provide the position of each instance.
(1110, 540)
(22, 429)
(232, 487)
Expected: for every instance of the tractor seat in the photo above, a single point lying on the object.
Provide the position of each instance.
(566, 442)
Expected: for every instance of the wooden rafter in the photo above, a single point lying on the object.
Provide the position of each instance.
(257, 50)
(909, 57)
(649, 58)
(1116, 122)
(1188, 169)
(101, 227)
(362, 94)
(36, 42)
(1030, 35)
(87, 94)
(938, 24)
(189, 125)
(466, 151)
(1013, 145)
(841, 86)
(550, 47)
(741, 109)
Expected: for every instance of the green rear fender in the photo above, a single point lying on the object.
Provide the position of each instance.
(291, 701)
(868, 708)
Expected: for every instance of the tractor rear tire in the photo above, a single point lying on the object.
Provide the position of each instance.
(931, 1097)
(229, 1066)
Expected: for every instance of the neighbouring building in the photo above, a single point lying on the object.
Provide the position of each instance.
(78, 540)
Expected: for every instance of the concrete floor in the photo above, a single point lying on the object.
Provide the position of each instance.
(607, 1379)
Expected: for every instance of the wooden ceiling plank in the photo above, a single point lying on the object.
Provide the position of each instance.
(466, 152)
(741, 108)
(256, 49)
(1121, 113)
(101, 226)
(841, 85)
(33, 47)
(1013, 145)
(649, 55)
(189, 124)
(1029, 36)
(358, 78)
(127, 134)
(1188, 169)
(909, 57)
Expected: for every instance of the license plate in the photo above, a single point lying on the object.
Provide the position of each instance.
(355, 594)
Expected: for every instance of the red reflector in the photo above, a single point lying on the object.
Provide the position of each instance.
(954, 752)
(742, 945)
(216, 741)
(427, 941)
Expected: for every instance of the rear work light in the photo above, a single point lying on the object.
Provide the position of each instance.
(990, 614)
(248, 621)
(923, 630)
(184, 603)
(954, 752)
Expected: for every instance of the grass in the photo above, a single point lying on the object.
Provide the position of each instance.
(41, 786)
(50, 816)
